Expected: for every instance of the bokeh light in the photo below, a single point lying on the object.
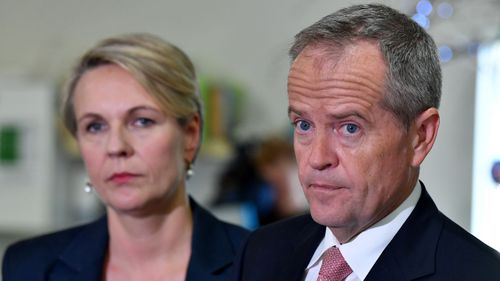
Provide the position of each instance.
(445, 53)
(424, 7)
(422, 20)
(445, 10)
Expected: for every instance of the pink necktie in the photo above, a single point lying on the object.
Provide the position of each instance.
(333, 267)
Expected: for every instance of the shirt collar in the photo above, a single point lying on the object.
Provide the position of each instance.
(362, 252)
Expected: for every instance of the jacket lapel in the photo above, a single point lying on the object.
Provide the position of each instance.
(301, 250)
(411, 253)
(212, 249)
(83, 259)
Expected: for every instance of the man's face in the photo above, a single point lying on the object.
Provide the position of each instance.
(354, 156)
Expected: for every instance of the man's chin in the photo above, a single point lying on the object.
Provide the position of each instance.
(325, 217)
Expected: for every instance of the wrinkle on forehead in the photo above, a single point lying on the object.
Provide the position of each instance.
(348, 82)
(356, 67)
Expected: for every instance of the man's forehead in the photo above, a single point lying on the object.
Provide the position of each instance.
(361, 65)
(325, 56)
(318, 56)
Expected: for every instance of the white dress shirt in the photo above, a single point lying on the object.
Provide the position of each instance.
(362, 252)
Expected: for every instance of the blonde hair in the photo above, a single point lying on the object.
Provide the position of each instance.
(165, 71)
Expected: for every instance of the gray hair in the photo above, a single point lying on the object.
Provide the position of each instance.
(413, 78)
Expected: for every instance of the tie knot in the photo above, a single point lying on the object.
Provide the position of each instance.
(333, 266)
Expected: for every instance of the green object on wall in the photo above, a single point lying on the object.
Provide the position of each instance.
(9, 145)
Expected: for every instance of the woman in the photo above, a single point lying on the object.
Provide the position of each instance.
(132, 106)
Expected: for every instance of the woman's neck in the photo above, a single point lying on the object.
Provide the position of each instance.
(150, 243)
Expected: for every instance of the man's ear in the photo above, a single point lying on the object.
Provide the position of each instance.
(426, 126)
(192, 137)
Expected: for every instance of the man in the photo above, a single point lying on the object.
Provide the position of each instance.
(364, 89)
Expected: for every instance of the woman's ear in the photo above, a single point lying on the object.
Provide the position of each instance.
(426, 126)
(192, 137)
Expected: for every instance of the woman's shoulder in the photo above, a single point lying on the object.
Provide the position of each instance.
(215, 244)
(236, 233)
(208, 227)
(34, 254)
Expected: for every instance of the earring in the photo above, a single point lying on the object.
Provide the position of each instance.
(88, 187)
(189, 171)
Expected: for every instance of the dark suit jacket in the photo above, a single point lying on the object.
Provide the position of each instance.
(78, 253)
(429, 246)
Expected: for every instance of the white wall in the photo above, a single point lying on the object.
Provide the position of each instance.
(485, 222)
(243, 40)
(447, 172)
(26, 184)
(246, 41)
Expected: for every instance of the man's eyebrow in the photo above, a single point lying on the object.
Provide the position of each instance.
(346, 115)
(339, 116)
(292, 110)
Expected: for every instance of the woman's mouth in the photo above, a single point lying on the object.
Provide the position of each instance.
(122, 177)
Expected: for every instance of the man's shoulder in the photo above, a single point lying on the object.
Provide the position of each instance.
(453, 250)
(458, 244)
(451, 238)
(290, 228)
(282, 248)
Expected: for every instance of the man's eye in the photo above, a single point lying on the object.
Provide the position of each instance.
(303, 125)
(351, 128)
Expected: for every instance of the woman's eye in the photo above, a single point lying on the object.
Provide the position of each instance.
(143, 122)
(303, 125)
(351, 128)
(94, 127)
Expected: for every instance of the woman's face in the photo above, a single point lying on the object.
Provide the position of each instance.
(134, 154)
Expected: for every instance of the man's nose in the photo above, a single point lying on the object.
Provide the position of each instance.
(322, 152)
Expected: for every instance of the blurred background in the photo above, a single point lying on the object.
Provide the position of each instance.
(246, 171)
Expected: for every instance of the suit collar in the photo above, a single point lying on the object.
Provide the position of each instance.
(410, 254)
(211, 250)
(302, 248)
(83, 259)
